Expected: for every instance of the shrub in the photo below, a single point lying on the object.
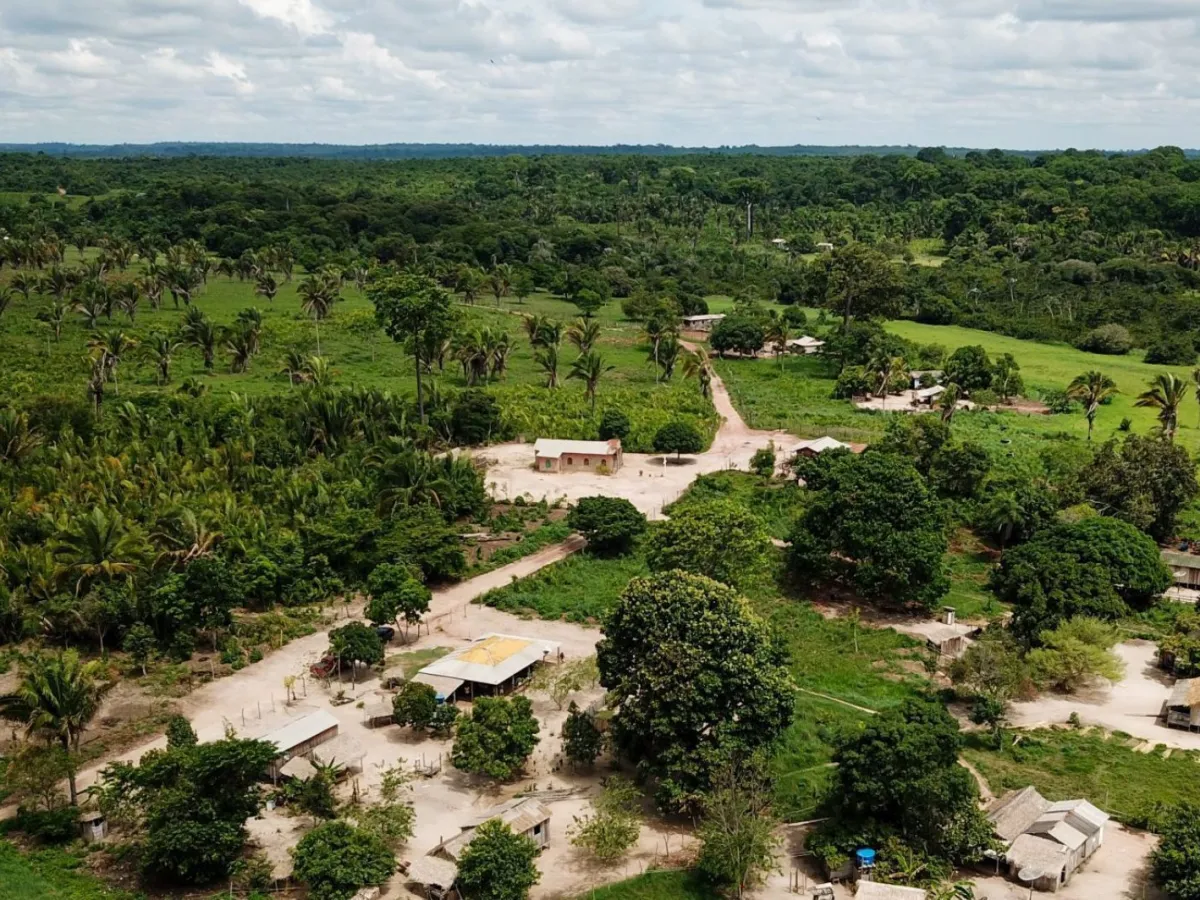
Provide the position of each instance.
(582, 740)
(50, 826)
(852, 382)
(1172, 350)
(475, 418)
(497, 864)
(610, 524)
(762, 463)
(1176, 860)
(415, 705)
(1111, 340)
(614, 424)
(496, 738)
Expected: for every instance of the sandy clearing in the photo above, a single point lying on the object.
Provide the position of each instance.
(1132, 705)
(645, 480)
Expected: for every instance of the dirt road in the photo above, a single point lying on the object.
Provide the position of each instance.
(1131, 705)
(648, 481)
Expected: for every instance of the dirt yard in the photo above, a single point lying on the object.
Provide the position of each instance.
(647, 481)
(1131, 705)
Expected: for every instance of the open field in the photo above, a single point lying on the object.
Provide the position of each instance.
(1065, 764)
(1052, 366)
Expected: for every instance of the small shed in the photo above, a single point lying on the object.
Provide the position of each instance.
(926, 375)
(493, 663)
(93, 826)
(378, 715)
(300, 736)
(874, 890)
(704, 322)
(344, 751)
(1185, 567)
(817, 446)
(825, 247)
(926, 396)
(1183, 706)
(577, 456)
(433, 873)
(806, 344)
(525, 816)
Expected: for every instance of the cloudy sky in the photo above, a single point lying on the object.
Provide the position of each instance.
(1009, 73)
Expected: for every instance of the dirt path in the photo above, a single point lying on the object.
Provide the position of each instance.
(1132, 705)
(250, 697)
(863, 709)
(648, 481)
(985, 792)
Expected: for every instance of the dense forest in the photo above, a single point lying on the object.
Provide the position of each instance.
(1047, 248)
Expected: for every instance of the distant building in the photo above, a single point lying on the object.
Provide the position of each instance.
(493, 664)
(524, 816)
(919, 375)
(780, 243)
(1046, 842)
(926, 396)
(825, 247)
(947, 637)
(817, 446)
(1183, 706)
(702, 323)
(577, 456)
(806, 345)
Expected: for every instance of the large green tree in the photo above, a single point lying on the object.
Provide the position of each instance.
(1146, 481)
(863, 282)
(696, 679)
(610, 524)
(717, 538)
(336, 859)
(1175, 862)
(497, 864)
(496, 738)
(873, 522)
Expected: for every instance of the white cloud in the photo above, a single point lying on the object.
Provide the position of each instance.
(1014, 73)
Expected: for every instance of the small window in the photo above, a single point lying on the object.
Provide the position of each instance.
(537, 829)
(549, 464)
(570, 461)
(586, 461)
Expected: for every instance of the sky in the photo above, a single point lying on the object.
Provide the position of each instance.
(1021, 74)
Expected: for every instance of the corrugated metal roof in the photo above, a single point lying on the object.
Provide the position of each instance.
(821, 444)
(551, 448)
(302, 730)
(1058, 829)
(706, 317)
(493, 659)
(1080, 815)
(442, 685)
(874, 890)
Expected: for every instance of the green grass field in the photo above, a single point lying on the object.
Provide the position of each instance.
(581, 588)
(662, 884)
(776, 502)
(49, 875)
(1052, 366)
(1064, 765)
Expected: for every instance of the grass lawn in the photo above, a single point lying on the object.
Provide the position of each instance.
(776, 502)
(660, 884)
(49, 875)
(581, 588)
(1066, 765)
(411, 662)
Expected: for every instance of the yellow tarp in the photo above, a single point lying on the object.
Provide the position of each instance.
(492, 651)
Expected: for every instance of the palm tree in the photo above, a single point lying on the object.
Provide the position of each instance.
(266, 286)
(241, 346)
(24, 282)
(128, 296)
(778, 336)
(500, 349)
(948, 402)
(108, 347)
(1166, 394)
(6, 298)
(295, 366)
(697, 365)
(590, 368)
(584, 333)
(1092, 389)
(56, 699)
(54, 316)
(17, 439)
(500, 280)
(547, 359)
(1002, 515)
(161, 348)
(98, 544)
(152, 286)
(199, 332)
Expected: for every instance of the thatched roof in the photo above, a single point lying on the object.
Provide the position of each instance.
(432, 870)
(1014, 813)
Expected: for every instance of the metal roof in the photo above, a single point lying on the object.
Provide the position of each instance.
(553, 449)
(1080, 815)
(302, 730)
(443, 686)
(299, 768)
(706, 317)
(1060, 831)
(492, 659)
(821, 444)
(874, 890)
(1180, 559)
(926, 393)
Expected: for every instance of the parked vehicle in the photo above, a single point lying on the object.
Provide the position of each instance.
(385, 632)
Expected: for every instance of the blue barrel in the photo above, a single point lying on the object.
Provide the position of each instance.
(864, 858)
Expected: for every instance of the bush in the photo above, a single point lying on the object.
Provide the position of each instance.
(50, 826)
(762, 463)
(852, 382)
(415, 705)
(475, 418)
(582, 740)
(970, 368)
(614, 424)
(1172, 350)
(1058, 402)
(1111, 340)
(335, 859)
(1176, 860)
(610, 524)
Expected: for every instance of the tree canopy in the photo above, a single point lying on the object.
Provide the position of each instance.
(717, 538)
